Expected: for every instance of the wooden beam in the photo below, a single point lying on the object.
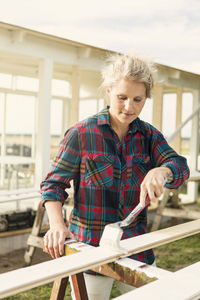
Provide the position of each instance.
(59, 288)
(183, 285)
(23, 279)
(79, 286)
(127, 270)
(195, 176)
(184, 213)
(177, 142)
(35, 241)
(157, 105)
(43, 120)
(35, 232)
(74, 103)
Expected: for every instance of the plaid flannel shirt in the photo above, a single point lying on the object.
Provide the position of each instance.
(107, 175)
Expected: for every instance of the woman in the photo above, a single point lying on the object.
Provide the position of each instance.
(115, 160)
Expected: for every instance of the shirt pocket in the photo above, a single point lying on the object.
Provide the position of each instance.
(99, 170)
(137, 168)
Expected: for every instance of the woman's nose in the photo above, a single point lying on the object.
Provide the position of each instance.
(128, 105)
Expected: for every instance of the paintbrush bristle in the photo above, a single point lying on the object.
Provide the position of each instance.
(111, 236)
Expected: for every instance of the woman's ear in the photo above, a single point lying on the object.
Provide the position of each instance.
(108, 90)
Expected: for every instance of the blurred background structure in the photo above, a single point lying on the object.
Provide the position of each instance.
(48, 83)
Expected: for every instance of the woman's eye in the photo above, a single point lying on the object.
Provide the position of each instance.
(137, 99)
(122, 97)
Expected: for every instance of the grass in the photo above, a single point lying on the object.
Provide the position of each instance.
(179, 254)
(172, 257)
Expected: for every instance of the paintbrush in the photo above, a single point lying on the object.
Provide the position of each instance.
(113, 232)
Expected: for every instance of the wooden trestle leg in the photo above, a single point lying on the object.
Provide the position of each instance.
(60, 285)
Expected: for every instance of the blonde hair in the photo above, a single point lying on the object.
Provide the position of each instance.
(129, 66)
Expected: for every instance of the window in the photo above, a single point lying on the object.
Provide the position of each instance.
(147, 111)
(60, 88)
(89, 107)
(27, 83)
(5, 80)
(169, 114)
(56, 125)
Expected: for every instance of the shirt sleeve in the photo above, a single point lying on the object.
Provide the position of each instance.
(163, 155)
(65, 167)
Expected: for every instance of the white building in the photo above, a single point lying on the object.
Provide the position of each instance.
(48, 83)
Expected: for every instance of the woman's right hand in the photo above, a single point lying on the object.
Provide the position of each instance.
(54, 240)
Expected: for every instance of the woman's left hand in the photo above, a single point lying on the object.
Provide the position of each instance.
(153, 184)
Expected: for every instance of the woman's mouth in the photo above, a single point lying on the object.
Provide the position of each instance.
(128, 114)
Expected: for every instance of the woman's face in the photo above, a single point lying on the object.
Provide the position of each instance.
(127, 99)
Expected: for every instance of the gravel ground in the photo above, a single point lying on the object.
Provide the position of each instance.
(15, 260)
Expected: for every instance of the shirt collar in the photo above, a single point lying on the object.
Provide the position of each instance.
(136, 125)
(103, 117)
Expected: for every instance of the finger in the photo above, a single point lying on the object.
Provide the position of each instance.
(71, 236)
(143, 194)
(159, 187)
(157, 191)
(50, 246)
(56, 244)
(151, 193)
(61, 244)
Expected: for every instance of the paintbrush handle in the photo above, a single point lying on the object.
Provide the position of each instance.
(134, 213)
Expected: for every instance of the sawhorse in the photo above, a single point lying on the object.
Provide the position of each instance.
(34, 241)
(60, 285)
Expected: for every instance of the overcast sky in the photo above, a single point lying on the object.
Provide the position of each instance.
(168, 31)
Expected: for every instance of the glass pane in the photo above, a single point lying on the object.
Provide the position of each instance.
(20, 119)
(87, 108)
(1, 119)
(101, 104)
(5, 80)
(17, 176)
(56, 125)
(187, 103)
(60, 88)
(169, 114)
(147, 111)
(27, 83)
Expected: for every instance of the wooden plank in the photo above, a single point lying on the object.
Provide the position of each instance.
(35, 241)
(127, 270)
(195, 176)
(23, 279)
(181, 285)
(181, 213)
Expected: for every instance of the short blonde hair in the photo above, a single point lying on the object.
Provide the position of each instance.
(129, 66)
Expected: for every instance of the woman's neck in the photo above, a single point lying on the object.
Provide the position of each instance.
(119, 128)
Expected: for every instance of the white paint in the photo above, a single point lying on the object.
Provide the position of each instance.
(131, 264)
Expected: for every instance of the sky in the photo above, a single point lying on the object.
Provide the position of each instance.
(167, 31)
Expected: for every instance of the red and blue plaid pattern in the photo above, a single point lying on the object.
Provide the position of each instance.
(107, 175)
